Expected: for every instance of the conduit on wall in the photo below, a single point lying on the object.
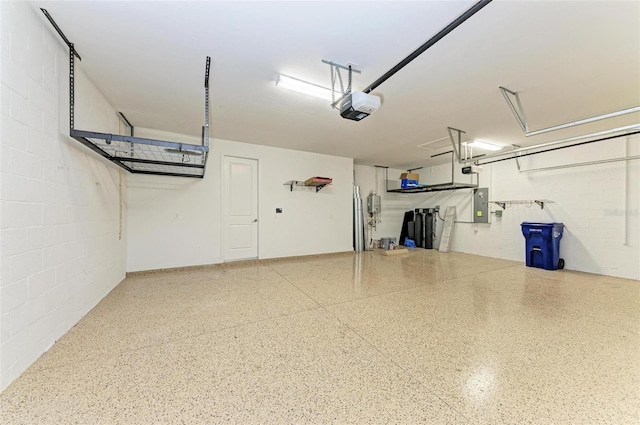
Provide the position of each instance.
(135, 154)
(626, 194)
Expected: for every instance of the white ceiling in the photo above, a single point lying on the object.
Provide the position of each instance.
(567, 59)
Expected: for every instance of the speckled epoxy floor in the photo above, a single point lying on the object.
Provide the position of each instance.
(427, 338)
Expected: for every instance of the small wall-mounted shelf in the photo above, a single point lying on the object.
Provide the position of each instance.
(507, 204)
(309, 184)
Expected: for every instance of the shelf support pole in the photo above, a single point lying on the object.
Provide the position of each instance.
(457, 147)
(519, 113)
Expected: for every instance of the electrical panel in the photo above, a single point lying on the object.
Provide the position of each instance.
(373, 204)
(481, 205)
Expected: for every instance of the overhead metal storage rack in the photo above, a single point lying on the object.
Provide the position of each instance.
(137, 154)
(435, 188)
(439, 187)
(147, 156)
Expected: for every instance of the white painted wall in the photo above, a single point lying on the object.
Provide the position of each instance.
(62, 246)
(394, 205)
(175, 222)
(598, 204)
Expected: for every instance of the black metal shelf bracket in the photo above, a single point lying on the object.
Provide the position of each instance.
(506, 204)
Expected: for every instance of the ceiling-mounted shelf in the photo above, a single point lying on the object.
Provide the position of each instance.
(435, 188)
(138, 154)
(528, 203)
(439, 187)
(147, 156)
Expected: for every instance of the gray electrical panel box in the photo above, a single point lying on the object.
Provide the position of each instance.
(373, 204)
(481, 205)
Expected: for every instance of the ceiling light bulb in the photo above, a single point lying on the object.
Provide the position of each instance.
(305, 87)
(484, 145)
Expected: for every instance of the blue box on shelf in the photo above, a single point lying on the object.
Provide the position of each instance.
(542, 242)
(406, 183)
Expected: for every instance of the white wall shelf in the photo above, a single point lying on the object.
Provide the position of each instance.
(302, 185)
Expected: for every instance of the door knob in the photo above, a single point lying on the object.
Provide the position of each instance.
(255, 220)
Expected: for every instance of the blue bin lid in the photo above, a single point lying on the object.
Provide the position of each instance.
(527, 223)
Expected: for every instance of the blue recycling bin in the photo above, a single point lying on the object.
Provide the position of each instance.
(543, 245)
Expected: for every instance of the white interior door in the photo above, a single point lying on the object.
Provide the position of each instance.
(240, 208)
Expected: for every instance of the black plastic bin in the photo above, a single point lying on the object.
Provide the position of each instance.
(543, 245)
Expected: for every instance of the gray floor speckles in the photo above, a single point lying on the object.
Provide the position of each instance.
(428, 338)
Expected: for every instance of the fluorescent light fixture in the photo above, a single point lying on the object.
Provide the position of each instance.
(305, 87)
(484, 145)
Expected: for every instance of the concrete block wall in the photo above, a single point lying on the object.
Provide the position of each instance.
(62, 209)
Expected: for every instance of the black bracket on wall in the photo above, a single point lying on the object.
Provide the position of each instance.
(136, 154)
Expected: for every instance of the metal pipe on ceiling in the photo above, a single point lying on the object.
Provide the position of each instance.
(561, 147)
(584, 121)
(582, 164)
(633, 128)
(433, 40)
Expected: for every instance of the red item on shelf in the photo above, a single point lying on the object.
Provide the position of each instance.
(317, 181)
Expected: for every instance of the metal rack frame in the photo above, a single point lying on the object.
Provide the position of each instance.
(435, 188)
(440, 187)
(140, 155)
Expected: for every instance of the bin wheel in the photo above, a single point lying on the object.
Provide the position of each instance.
(561, 263)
